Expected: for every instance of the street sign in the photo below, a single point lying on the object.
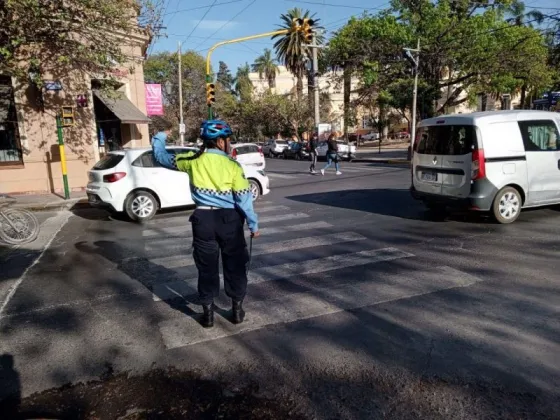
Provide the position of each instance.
(182, 129)
(53, 85)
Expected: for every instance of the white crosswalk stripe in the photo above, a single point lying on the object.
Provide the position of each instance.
(284, 271)
(268, 248)
(180, 332)
(300, 268)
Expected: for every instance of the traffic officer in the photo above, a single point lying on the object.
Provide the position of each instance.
(223, 202)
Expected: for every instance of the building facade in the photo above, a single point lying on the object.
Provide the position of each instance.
(29, 151)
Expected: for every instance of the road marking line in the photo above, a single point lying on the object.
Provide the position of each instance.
(282, 217)
(182, 229)
(183, 232)
(283, 271)
(261, 249)
(185, 331)
(281, 176)
(48, 230)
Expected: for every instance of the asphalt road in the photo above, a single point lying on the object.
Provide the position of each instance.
(355, 292)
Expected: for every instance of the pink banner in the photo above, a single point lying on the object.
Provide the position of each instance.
(154, 102)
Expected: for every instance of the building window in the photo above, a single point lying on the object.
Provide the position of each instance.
(10, 147)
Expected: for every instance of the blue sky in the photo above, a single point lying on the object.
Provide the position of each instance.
(228, 19)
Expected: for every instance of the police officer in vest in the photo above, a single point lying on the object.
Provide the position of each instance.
(223, 202)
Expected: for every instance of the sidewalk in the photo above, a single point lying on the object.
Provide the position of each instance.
(43, 202)
(391, 156)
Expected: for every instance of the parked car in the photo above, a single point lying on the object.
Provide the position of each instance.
(248, 154)
(345, 151)
(274, 147)
(497, 162)
(132, 181)
(370, 136)
(297, 151)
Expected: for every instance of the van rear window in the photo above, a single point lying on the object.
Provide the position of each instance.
(108, 161)
(446, 140)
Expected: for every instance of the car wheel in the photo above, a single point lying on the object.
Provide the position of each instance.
(255, 189)
(140, 206)
(507, 205)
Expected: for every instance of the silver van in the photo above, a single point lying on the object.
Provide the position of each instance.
(498, 161)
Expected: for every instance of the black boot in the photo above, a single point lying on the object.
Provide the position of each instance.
(238, 314)
(208, 316)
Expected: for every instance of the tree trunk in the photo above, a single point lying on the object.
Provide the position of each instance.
(299, 87)
(523, 95)
(347, 88)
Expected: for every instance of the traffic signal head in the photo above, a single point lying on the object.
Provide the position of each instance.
(307, 29)
(210, 94)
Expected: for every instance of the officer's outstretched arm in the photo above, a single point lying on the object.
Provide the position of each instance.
(244, 198)
(161, 155)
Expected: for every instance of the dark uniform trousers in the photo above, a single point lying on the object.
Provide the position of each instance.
(214, 231)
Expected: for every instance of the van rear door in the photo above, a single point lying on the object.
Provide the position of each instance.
(443, 159)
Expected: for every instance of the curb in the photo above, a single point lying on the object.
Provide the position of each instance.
(385, 161)
(56, 206)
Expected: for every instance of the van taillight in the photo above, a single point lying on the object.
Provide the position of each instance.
(478, 168)
(260, 151)
(114, 177)
(234, 153)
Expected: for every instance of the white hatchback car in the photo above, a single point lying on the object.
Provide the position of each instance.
(130, 180)
(248, 154)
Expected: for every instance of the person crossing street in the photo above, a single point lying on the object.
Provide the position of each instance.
(332, 155)
(224, 202)
(313, 144)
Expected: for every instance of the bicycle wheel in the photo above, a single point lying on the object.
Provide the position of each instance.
(18, 226)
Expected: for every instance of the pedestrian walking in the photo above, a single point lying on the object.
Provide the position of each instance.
(313, 144)
(332, 155)
(223, 201)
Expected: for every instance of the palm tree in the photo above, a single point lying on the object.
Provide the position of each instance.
(243, 84)
(267, 68)
(290, 48)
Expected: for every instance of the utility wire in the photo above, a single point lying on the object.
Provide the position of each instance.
(225, 24)
(200, 21)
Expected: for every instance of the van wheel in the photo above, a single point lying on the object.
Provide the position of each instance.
(140, 206)
(507, 205)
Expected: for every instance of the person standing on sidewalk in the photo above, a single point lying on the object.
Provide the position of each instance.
(332, 155)
(223, 202)
(313, 144)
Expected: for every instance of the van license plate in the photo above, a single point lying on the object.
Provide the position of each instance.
(429, 176)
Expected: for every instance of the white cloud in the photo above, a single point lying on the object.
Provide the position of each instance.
(214, 24)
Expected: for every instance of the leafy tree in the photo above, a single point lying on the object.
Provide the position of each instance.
(224, 77)
(163, 68)
(463, 53)
(291, 49)
(265, 65)
(91, 36)
(243, 84)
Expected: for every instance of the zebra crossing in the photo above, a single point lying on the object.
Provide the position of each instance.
(301, 268)
(345, 169)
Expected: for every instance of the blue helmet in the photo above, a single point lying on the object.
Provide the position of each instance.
(212, 129)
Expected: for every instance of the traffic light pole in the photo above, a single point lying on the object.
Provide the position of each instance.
(316, 83)
(233, 41)
(181, 133)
